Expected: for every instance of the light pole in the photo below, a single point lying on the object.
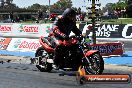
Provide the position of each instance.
(49, 7)
(93, 22)
(93, 15)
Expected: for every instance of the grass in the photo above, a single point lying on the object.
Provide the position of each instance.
(118, 21)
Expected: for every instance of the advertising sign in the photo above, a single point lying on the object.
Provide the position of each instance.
(33, 29)
(107, 49)
(23, 45)
(110, 30)
(4, 42)
(31, 45)
(25, 30)
(5, 29)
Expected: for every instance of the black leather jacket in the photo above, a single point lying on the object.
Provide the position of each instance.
(63, 27)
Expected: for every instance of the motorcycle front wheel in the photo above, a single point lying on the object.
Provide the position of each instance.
(43, 66)
(94, 64)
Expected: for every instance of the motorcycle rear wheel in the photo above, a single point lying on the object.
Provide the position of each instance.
(43, 67)
(96, 65)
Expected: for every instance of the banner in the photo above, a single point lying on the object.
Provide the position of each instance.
(37, 30)
(31, 45)
(4, 42)
(31, 30)
(5, 29)
(23, 45)
(110, 30)
(107, 49)
(25, 30)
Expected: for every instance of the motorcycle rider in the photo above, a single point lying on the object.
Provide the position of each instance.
(62, 27)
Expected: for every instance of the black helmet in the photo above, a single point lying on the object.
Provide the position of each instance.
(69, 12)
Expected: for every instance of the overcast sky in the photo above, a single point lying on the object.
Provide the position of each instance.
(76, 3)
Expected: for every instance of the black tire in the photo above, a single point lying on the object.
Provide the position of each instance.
(96, 66)
(46, 67)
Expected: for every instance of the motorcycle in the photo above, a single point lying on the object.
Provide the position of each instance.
(74, 54)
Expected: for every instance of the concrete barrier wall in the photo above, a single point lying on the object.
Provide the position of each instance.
(17, 30)
(22, 38)
(19, 46)
(109, 30)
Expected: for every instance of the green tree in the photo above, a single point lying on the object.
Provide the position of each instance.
(38, 7)
(10, 6)
(57, 7)
(129, 8)
(109, 7)
(61, 5)
(35, 6)
(121, 4)
(7, 4)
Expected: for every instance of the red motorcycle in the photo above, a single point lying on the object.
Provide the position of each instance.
(73, 53)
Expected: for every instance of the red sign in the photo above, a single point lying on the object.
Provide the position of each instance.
(4, 42)
(28, 29)
(108, 49)
(24, 45)
(5, 28)
(29, 45)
